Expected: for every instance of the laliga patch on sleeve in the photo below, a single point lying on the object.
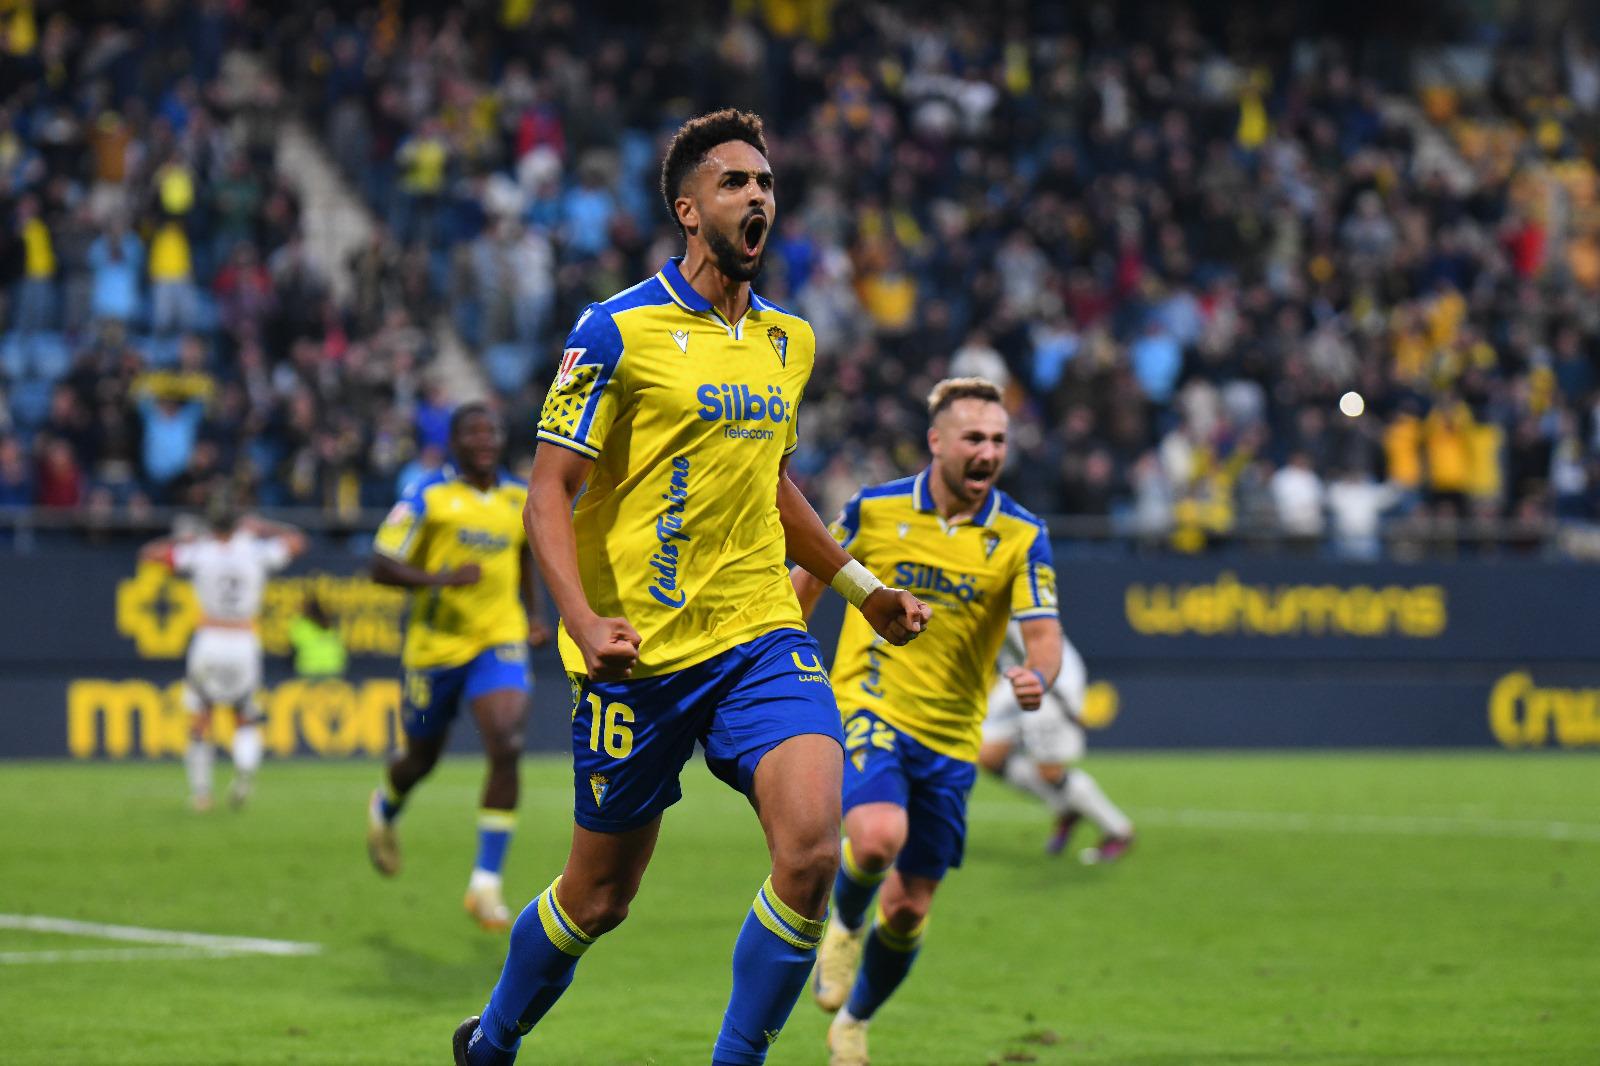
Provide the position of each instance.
(569, 359)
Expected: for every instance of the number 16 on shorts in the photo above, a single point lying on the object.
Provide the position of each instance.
(609, 723)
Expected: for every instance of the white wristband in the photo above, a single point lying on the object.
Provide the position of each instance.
(855, 583)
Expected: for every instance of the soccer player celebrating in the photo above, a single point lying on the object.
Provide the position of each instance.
(1038, 751)
(913, 718)
(455, 540)
(673, 413)
(229, 566)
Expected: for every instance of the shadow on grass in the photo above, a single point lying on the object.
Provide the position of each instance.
(404, 973)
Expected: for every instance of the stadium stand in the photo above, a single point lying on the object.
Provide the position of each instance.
(1178, 257)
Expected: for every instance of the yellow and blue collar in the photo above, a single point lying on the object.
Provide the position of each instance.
(922, 499)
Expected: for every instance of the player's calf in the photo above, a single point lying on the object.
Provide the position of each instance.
(247, 752)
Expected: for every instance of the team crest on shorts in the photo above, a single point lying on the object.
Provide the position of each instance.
(859, 760)
(598, 783)
(780, 343)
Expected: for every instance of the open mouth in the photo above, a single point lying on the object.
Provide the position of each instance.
(755, 228)
(978, 480)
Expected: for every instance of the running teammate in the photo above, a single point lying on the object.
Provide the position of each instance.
(913, 717)
(229, 565)
(1038, 752)
(455, 540)
(673, 413)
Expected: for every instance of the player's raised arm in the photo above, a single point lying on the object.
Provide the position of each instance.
(895, 614)
(294, 540)
(610, 646)
(158, 551)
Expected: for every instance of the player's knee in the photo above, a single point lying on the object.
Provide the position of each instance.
(874, 846)
(503, 750)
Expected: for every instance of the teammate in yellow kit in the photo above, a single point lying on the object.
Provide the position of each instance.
(456, 541)
(914, 715)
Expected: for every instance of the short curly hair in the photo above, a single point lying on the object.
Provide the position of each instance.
(695, 138)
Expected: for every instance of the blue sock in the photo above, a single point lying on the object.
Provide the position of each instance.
(771, 960)
(494, 834)
(886, 958)
(388, 800)
(545, 948)
(853, 889)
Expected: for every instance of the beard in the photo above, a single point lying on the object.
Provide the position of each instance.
(730, 259)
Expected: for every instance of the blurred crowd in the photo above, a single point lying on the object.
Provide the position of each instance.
(166, 329)
(1233, 274)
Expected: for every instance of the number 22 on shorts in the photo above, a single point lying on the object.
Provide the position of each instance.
(608, 725)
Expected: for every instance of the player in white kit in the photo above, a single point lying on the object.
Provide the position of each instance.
(1038, 751)
(228, 565)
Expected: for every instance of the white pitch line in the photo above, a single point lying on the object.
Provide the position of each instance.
(1352, 824)
(235, 945)
(20, 958)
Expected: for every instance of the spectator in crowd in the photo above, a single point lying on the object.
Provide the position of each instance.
(116, 259)
(1356, 504)
(319, 651)
(1297, 492)
(1142, 219)
(16, 481)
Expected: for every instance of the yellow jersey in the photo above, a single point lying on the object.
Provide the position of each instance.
(977, 575)
(687, 417)
(442, 523)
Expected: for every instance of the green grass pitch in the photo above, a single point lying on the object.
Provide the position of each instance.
(1317, 909)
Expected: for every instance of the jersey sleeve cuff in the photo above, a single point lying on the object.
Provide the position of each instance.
(1029, 613)
(568, 443)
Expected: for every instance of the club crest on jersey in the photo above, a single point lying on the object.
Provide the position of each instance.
(569, 359)
(991, 541)
(598, 784)
(905, 529)
(780, 343)
(681, 338)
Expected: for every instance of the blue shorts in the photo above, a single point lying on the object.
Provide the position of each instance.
(884, 765)
(630, 739)
(432, 697)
